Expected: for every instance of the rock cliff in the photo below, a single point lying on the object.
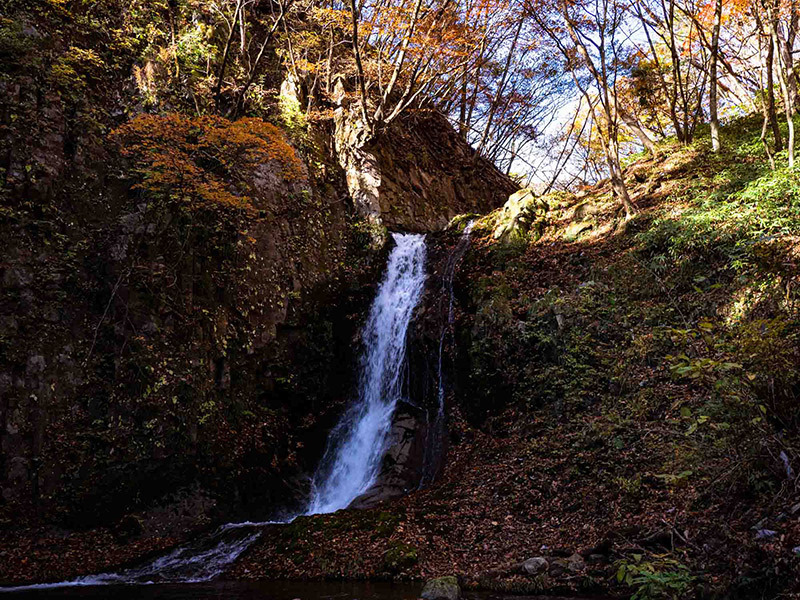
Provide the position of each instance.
(417, 174)
(149, 349)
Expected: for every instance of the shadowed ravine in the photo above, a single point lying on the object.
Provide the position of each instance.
(356, 445)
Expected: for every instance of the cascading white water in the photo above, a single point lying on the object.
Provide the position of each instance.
(356, 445)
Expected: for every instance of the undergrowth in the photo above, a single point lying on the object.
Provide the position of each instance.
(669, 347)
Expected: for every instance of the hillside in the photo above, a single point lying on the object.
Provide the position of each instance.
(625, 390)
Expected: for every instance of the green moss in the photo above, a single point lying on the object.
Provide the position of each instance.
(399, 557)
(386, 524)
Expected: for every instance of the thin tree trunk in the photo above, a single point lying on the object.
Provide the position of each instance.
(764, 138)
(359, 66)
(462, 105)
(634, 125)
(773, 116)
(500, 89)
(226, 52)
(610, 145)
(712, 92)
(785, 62)
(283, 7)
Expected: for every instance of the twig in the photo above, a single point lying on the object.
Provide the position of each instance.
(103, 318)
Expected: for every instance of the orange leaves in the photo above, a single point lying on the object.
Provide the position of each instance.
(204, 161)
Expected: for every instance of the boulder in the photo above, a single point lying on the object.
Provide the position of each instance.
(574, 230)
(441, 588)
(568, 566)
(585, 209)
(575, 563)
(128, 527)
(523, 215)
(535, 565)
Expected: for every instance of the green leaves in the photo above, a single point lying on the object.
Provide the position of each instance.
(659, 578)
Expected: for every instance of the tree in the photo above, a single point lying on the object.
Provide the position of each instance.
(682, 85)
(592, 45)
(405, 54)
(713, 99)
(203, 162)
(782, 17)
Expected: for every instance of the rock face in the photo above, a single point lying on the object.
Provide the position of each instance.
(417, 174)
(147, 347)
(441, 588)
(403, 461)
(131, 364)
(138, 357)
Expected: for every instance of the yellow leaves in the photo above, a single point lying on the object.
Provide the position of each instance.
(204, 161)
(73, 67)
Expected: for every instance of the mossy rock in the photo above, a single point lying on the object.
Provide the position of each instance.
(575, 230)
(400, 557)
(386, 524)
(441, 588)
(522, 217)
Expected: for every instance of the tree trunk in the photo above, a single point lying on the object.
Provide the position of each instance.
(634, 125)
(225, 53)
(500, 90)
(712, 92)
(773, 117)
(783, 51)
(617, 179)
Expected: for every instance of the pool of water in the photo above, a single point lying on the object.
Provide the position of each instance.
(237, 590)
(230, 590)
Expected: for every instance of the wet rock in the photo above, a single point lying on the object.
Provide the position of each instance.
(441, 588)
(402, 465)
(535, 565)
(128, 527)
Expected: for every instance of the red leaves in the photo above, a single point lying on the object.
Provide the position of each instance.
(204, 161)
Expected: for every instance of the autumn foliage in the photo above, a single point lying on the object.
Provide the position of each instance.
(204, 162)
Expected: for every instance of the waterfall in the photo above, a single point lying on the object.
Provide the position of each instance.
(355, 448)
(433, 447)
(357, 444)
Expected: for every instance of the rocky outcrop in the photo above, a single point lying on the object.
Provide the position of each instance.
(149, 352)
(417, 174)
(524, 215)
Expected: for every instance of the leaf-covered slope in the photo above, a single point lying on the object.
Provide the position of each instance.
(624, 390)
